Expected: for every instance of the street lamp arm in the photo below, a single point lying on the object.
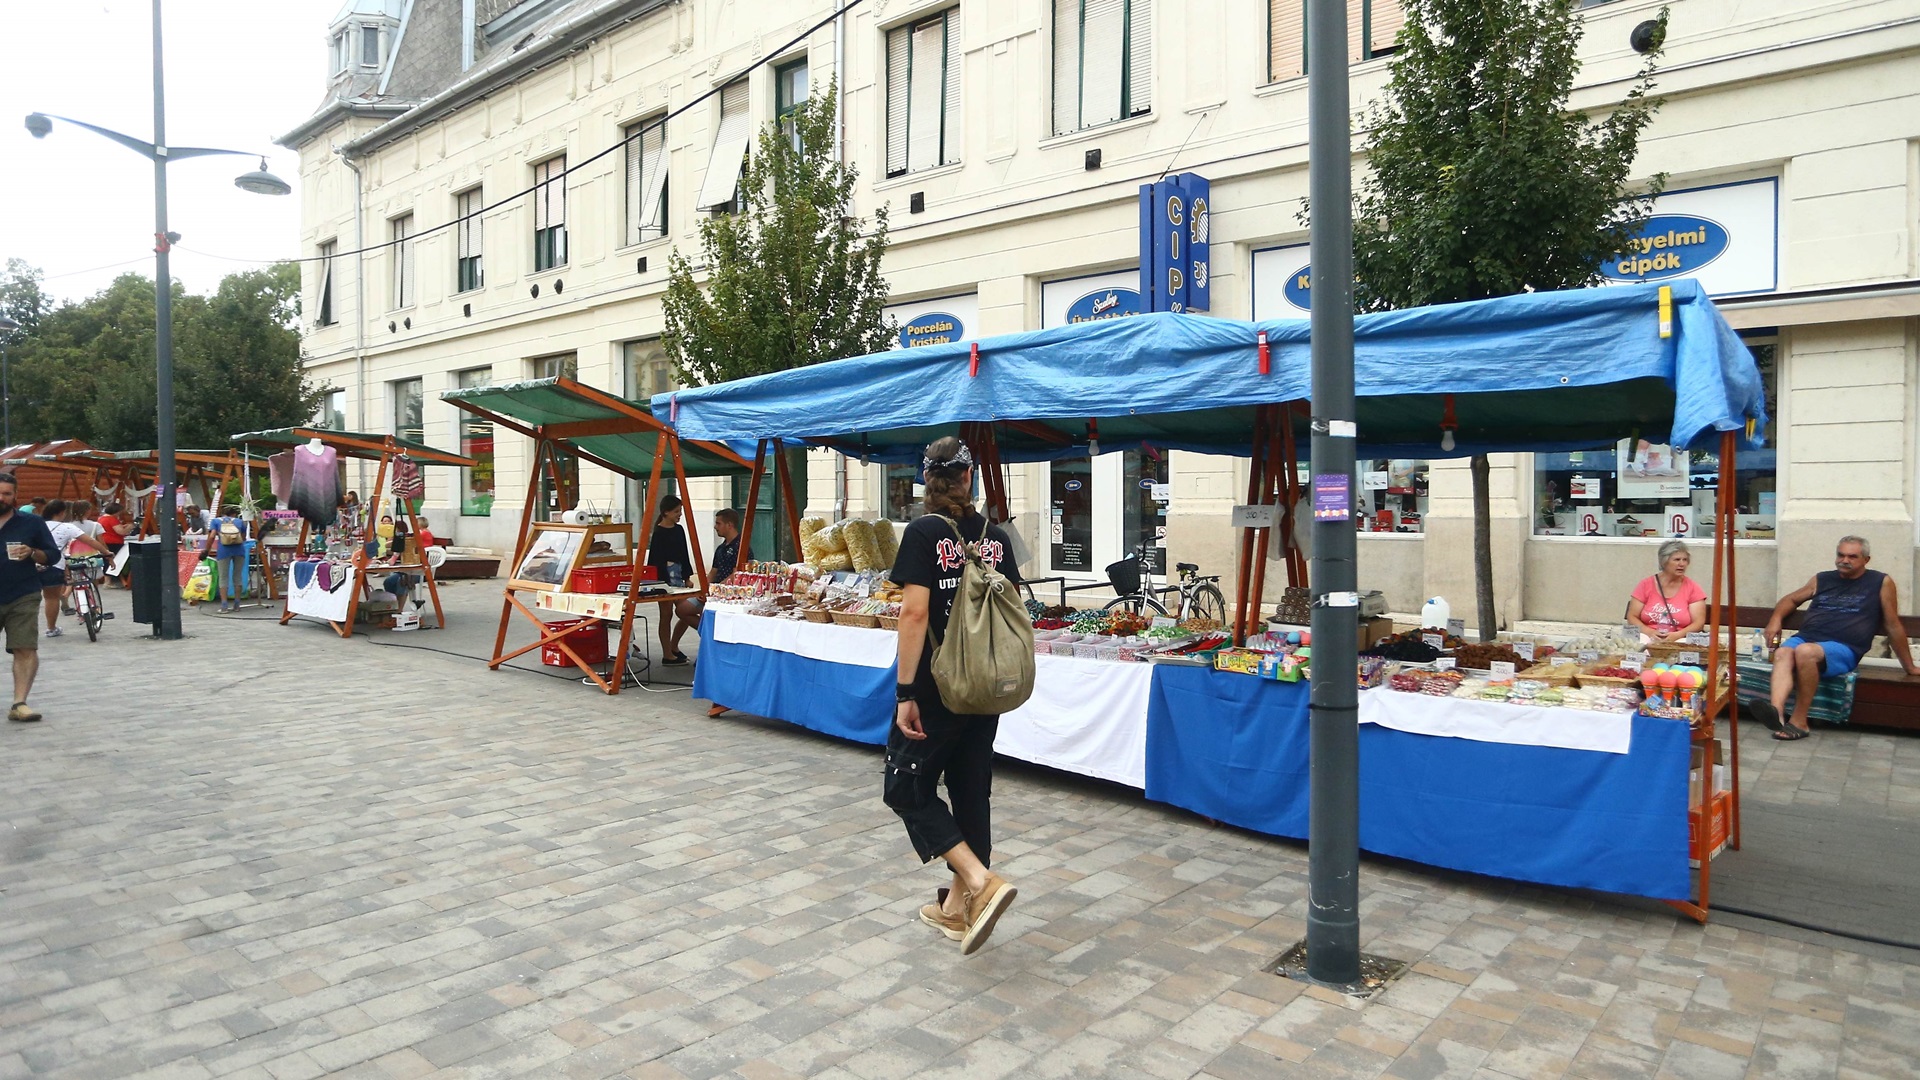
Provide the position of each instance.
(176, 152)
(139, 146)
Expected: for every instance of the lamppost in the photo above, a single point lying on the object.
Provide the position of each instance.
(260, 182)
(7, 327)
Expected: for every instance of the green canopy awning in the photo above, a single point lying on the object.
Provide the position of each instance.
(352, 444)
(609, 431)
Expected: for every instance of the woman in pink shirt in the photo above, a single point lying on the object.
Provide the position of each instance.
(1669, 605)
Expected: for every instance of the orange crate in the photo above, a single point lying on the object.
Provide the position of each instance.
(1720, 809)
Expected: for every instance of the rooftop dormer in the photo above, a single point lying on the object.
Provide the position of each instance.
(360, 41)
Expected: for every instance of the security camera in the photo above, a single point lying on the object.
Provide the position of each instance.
(38, 125)
(1648, 37)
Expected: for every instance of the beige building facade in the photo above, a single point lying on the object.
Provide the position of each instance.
(1008, 139)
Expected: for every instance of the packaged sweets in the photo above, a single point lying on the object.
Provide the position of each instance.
(861, 545)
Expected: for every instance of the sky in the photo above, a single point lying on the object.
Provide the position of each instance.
(239, 73)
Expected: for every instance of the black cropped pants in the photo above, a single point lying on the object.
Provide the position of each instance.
(959, 750)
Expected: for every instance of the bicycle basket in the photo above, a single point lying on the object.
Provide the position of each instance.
(1124, 576)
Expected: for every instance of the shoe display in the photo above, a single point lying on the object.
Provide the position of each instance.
(984, 908)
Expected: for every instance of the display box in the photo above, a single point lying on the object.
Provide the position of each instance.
(555, 551)
(1719, 820)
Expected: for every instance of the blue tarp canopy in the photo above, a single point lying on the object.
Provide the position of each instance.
(1538, 372)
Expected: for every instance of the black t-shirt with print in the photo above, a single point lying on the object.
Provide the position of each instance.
(931, 557)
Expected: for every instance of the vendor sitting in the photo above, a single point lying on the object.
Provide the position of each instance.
(1669, 605)
(1850, 605)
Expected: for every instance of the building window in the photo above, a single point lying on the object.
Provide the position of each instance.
(476, 442)
(339, 52)
(732, 131)
(647, 372)
(407, 423)
(333, 411)
(563, 366)
(400, 229)
(324, 308)
(550, 214)
(1372, 26)
(790, 89)
(369, 46)
(1393, 494)
(1102, 62)
(646, 150)
(904, 494)
(1637, 488)
(468, 236)
(923, 94)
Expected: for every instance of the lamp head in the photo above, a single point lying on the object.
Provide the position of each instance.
(1446, 440)
(1648, 37)
(7, 324)
(262, 182)
(38, 125)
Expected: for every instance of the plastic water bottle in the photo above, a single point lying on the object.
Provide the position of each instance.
(1435, 613)
(1758, 652)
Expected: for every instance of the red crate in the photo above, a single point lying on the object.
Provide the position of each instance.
(599, 579)
(588, 639)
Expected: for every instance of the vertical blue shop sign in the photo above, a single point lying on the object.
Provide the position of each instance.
(1199, 198)
(1176, 216)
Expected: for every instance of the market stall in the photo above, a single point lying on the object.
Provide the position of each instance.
(1554, 371)
(590, 571)
(347, 555)
(201, 478)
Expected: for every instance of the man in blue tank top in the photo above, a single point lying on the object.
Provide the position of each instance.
(1850, 604)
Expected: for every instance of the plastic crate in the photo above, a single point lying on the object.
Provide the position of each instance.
(588, 639)
(600, 579)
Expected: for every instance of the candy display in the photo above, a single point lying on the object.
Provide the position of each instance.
(1485, 656)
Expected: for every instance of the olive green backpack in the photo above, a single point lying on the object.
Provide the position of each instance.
(984, 665)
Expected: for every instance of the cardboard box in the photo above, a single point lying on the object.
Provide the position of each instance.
(1375, 630)
(1720, 820)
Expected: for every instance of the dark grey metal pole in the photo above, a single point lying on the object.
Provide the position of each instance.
(1333, 828)
(168, 628)
(6, 397)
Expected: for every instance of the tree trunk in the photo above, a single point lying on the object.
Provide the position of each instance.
(1483, 548)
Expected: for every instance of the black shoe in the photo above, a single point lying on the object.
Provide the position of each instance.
(676, 660)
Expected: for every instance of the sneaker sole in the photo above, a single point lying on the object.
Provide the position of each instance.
(979, 932)
(952, 934)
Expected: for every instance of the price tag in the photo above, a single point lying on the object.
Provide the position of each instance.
(1501, 670)
(1525, 649)
(1560, 661)
(1699, 637)
(1588, 656)
(1634, 661)
(1162, 622)
(1689, 657)
(1457, 627)
(1445, 663)
(1435, 640)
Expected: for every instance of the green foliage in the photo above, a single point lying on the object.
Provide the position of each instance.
(20, 297)
(789, 279)
(87, 369)
(1481, 182)
(262, 492)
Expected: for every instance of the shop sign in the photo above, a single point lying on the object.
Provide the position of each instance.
(1670, 245)
(1282, 282)
(1089, 299)
(938, 328)
(1176, 217)
(1104, 304)
(937, 321)
(1725, 236)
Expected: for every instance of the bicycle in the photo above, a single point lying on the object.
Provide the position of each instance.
(1200, 596)
(81, 573)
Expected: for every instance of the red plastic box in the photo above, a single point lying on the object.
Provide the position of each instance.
(599, 579)
(588, 639)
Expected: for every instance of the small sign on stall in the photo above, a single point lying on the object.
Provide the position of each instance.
(1434, 640)
(1524, 649)
(1699, 637)
(1689, 657)
(1634, 661)
(1500, 671)
(1588, 656)
(1457, 627)
(1445, 663)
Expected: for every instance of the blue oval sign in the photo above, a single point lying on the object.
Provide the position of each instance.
(1073, 485)
(1104, 304)
(1671, 245)
(933, 328)
(1298, 288)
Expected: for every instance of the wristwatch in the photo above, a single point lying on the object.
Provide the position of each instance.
(902, 692)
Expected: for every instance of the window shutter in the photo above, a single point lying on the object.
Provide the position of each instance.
(924, 111)
(1066, 66)
(1139, 57)
(653, 200)
(1356, 30)
(557, 192)
(636, 181)
(899, 80)
(1286, 39)
(950, 130)
(1383, 25)
(1101, 53)
(730, 139)
(326, 284)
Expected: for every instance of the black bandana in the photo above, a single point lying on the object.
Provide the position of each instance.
(961, 460)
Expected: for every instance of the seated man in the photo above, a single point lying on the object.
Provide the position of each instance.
(1850, 605)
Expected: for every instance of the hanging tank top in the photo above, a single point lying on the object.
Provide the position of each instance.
(1845, 611)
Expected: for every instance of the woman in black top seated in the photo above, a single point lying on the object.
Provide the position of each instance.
(667, 553)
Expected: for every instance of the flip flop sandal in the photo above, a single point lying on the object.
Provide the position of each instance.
(1789, 733)
(1764, 712)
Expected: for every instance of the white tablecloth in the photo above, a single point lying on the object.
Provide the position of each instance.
(832, 643)
(318, 603)
(1497, 722)
(1085, 716)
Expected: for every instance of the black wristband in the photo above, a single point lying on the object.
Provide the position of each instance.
(902, 692)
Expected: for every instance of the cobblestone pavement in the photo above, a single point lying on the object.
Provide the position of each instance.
(269, 853)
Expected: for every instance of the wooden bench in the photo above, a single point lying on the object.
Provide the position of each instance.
(1882, 697)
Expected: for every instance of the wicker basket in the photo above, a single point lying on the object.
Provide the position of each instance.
(848, 618)
(1551, 674)
(819, 615)
(887, 622)
(1589, 679)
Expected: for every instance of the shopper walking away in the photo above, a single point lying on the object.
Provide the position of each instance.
(1669, 605)
(1850, 605)
(928, 742)
(53, 578)
(227, 543)
(29, 548)
(667, 552)
(726, 556)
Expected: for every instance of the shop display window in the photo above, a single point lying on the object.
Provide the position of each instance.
(904, 493)
(1638, 488)
(1071, 515)
(1393, 494)
(476, 442)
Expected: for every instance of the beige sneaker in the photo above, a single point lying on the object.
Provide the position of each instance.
(22, 713)
(935, 915)
(984, 908)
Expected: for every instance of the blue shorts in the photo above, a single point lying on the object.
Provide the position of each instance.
(1839, 659)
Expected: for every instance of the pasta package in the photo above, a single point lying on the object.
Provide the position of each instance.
(809, 526)
(861, 546)
(833, 538)
(888, 542)
(834, 562)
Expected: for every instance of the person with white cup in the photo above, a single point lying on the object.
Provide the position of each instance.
(29, 547)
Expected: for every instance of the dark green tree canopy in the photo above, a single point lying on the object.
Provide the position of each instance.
(790, 280)
(86, 371)
(1481, 182)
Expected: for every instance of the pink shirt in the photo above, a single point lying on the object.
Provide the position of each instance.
(1672, 613)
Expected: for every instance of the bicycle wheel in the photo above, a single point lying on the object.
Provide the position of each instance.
(1137, 604)
(1207, 603)
(93, 625)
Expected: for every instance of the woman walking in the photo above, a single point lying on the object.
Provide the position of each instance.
(928, 742)
(53, 579)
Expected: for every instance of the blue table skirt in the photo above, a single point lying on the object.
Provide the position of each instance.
(1235, 749)
(843, 700)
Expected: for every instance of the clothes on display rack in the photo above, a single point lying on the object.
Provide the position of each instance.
(408, 484)
(319, 588)
(315, 489)
(280, 475)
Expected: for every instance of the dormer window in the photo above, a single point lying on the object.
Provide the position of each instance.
(339, 52)
(370, 46)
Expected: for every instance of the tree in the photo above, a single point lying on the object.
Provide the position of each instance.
(1481, 183)
(21, 298)
(790, 279)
